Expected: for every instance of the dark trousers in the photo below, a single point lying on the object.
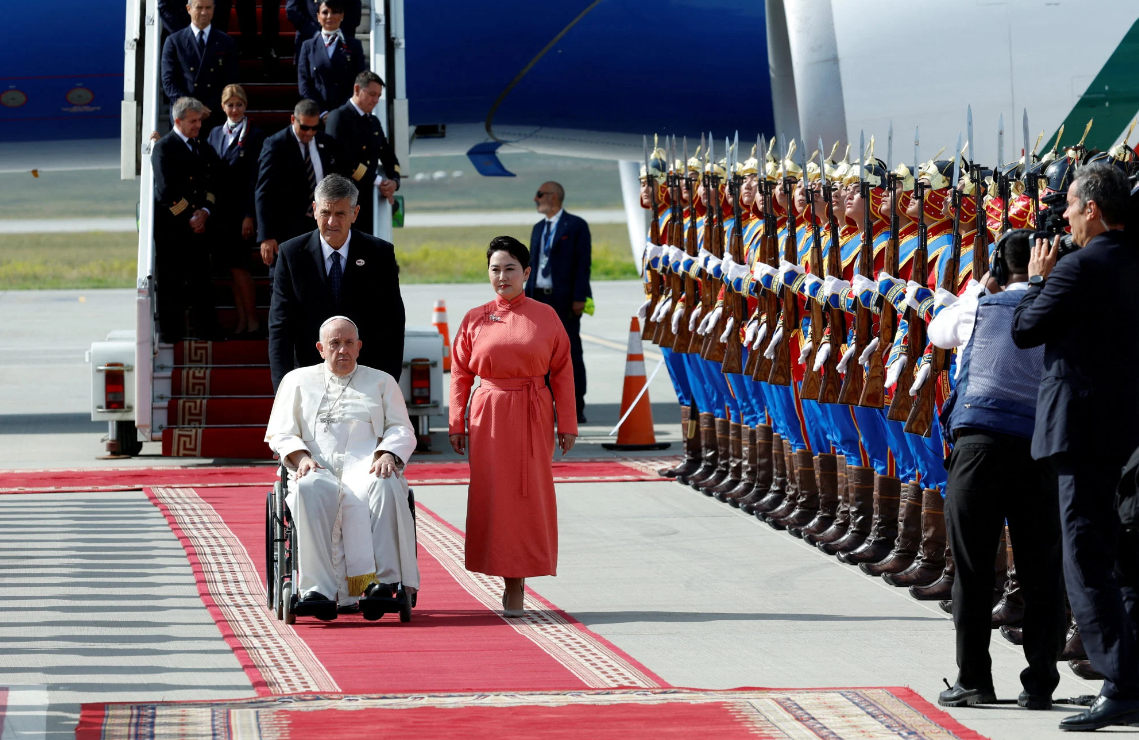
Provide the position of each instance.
(182, 277)
(572, 324)
(1101, 599)
(992, 477)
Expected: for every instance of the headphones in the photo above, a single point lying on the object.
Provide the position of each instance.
(998, 268)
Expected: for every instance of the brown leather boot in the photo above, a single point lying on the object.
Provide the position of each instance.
(930, 562)
(723, 457)
(909, 535)
(942, 588)
(841, 521)
(791, 497)
(764, 468)
(808, 505)
(690, 433)
(860, 484)
(747, 470)
(884, 529)
(827, 476)
(735, 464)
(1010, 609)
(709, 451)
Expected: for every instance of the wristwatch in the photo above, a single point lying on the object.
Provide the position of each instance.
(1037, 280)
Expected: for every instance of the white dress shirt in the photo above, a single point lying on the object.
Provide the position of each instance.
(199, 32)
(953, 325)
(547, 232)
(313, 154)
(328, 250)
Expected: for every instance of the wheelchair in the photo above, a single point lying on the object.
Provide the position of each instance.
(281, 557)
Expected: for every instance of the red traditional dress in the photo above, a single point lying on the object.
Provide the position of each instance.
(512, 514)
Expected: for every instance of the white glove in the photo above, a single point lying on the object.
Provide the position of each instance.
(919, 379)
(833, 285)
(712, 263)
(702, 256)
(675, 255)
(643, 311)
(736, 271)
(654, 250)
(695, 316)
(911, 288)
(727, 262)
(886, 276)
(975, 288)
(895, 371)
(845, 361)
(822, 355)
(870, 350)
(861, 284)
(728, 330)
(943, 298)
(760, 336)
(762, 268)
(776, 338)
(785, 268)
(677, 316)
(806, 352)
(710, 321)
(750, 332)
(808, 281)
(662, 309)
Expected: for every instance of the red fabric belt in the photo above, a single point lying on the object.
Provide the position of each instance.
(532, 387)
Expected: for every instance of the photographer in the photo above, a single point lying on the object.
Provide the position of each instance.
(1087, 418)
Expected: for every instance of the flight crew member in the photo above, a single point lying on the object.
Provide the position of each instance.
(292, 162)
(184, 175)
(328, 62)
(368, 157)
(304, 15)
(198, 62)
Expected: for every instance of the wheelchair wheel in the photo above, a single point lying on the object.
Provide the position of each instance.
(404, 606)
(287, 603)
(270, 554)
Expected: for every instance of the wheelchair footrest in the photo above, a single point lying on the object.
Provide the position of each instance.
(374, 607)
(323, 609)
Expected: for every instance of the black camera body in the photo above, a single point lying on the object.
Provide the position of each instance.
(1050, 222)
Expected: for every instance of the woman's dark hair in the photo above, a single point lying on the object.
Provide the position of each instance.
(336, 6)
(509, 244)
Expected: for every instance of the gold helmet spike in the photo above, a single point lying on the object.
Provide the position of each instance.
(1086, 130)
(903, 173)
(813, 167)
(1129, 130)
(1121, 151)
(1039, 138)
(791, 169)
(694, 163)
(1056, 144)
(833, 150)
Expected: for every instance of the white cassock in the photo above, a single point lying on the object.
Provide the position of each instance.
(353, 527)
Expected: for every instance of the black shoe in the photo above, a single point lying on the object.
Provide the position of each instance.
(1103, 712)
(946, 606)
(1028, 701)
(378, 590)
(958, 696)
(315, 596)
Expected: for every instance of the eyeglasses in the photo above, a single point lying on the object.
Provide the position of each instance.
(303, 127)
(541, 194)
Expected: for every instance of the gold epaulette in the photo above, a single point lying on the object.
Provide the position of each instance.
(396, 168)
(359, 172)
(211, 198)
(178, 207)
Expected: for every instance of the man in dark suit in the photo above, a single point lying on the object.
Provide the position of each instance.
(1083, 311)
(368, 157)
(328, 62)
(335, 271)
(175, 15)
(292, 162)
(303, 15)
(184, 175)
(560, 252)
(198, 62)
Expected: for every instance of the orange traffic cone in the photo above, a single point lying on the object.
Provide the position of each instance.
(635, 431)
(439, 320)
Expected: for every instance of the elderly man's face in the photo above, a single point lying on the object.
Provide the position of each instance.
(334, 218)
(190, 124)
(547, 199)
(201, 12)
(367, 97)
(1078, 217)
(305, 127)
(339, 345)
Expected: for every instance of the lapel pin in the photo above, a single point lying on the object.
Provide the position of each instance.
(359, 263)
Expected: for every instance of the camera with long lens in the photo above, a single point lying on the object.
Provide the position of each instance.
(1050, 222)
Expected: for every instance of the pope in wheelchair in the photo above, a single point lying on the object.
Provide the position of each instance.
(343, 433)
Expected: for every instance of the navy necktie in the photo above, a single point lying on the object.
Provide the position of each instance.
(336, 277)
(201, 43)
(547, 244)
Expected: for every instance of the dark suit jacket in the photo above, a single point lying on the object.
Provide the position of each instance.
(302, 300)
(283, 194)
(302, 14)
(183, 183)
(363, 146)
(238, 182)
(569, 260)
(186, 74)
(328, 80)
(1088, 320)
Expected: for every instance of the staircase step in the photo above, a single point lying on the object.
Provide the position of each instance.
(229, 352)
(218, 411)
(246, 442)
(225, 381)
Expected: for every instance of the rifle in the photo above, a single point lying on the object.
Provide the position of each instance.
(999, 176)
(760, 176)
(688, 238)
(664, 337)
(915, 338)
(874, 390)
(789, 317)
(836, 323)
(920, 420)
(734, 303)
(851, 391)
(707, 296)
(980, 240)
(654, 237)
(711, 349)
(811, 378)
(769, 255)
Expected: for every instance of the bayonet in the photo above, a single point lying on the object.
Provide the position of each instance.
(956, 164)
(1001, 144)
(1027, 150)
(890, 148)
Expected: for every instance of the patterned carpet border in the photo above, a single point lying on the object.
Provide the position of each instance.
(74, 480)
(865, 713)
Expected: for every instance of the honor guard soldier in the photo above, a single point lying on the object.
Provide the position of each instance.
(198, 62)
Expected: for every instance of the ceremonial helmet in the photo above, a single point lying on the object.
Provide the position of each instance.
(749, 166)
(939, 172)
(770, 166)
(813, 172)
(658, 162)
(968, 204)
(1060, 174)
(836, 171)
(694, 165)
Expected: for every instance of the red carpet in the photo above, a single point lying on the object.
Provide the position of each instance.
(56, 480)
(660, 714)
